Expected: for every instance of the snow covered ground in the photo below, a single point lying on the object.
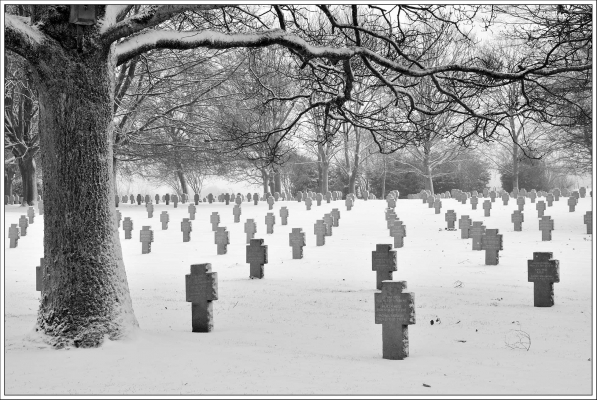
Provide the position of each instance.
(308, 326)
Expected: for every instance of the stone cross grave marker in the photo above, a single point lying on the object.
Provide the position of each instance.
(227, 198)
(572, 203)
(329, 222)
(549, 198)
(319, 198)
(238, 200)
(485, 192)
(390, 217)
(320, 231)
(391, 201)
(164, 219)
(543, 271)
(256, 258)
(532, 195)
(395, 311)
(398, 232)
(157, 199)
(546, 225)
(576, 194)
(14, 234)
(505, 198)
(492, 243)
(196, 198)
(464, 224)
(284, 215)
(167, 198)
(336, 214)
(201, 289)
(39, 275)
(450, 219)
(474, 202)
(250, 229)
(146, 237)
(565, 192)
(232, 197)
(424, 196)
(127, 226)
(186, 226)
(215, 221)
(328, 196)
(23, 224)
(31, 214)
(192, 211)
(139, 199)
(149, 208)
(147, 198)
(270, 202)
(582, 191)
(276, 196)
(492, 196)
(249, 197)
(255, 198)
(334, 195)
(210, 198)
(308, 203)
(464, 197)
(236, 211)
(430, 201)
(222, 239)
(523, 192)
(588, 220)
(118, 218)
(540, 206)
(348, 203)
(437, 204)
(520, 203)
(517, 219)
(125, 199)
(383, 262)
(475, 232)
(175, 200)
(297, 241)
(270, 221)
(487, 208)
(299, 196)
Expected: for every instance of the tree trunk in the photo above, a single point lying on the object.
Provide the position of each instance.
(271, 183)
(514, 153)
(319, 171)
(265, 176)
(277, 181)
(429, 177)
(383, 180)
(182, 179)
(325, 166)
(114, 172)
(85, 295)
(29, 177)
(9, 176)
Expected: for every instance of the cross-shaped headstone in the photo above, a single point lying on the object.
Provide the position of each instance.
(487, 208)
(485, 192)
(505, 198)
(139, 199)
(249, 197)
(492, 196)
(255, 198)
(167, 198)
(398, 232)
(588, 220)
(201, 289)
(334, 195)
(348, 203)
(523, 192)
(540, 206)
(175, 200)
(276, 196)
(192, 210)
(157, 199)
(395, 311)
(437, 204)
(215, 221)
(474, 202)
(270, 220)
(464, 224)
(146, 237)
(222, 239)
(565, 192)
(308, 203)
(549, 198)
(572, 203)
(319, 198)
(149, 208)
(23, 224)
(147, 198)
(227, 198)
(464, 197)
(391, 201)
(196, 198)
(475, 232)
(492, 243)
(127, 226)
(270, 202)
(336, 214)
(451, 219)
(236, 211)
(582, 191)
(517, 219)
(424, 196)
(118, 218)
(383, 262)
(543, 272)
(533, 195)
(329, 222)
(250, 229)
(210, 198)
(125, 199)
(576, 194)
(39, 275)
(284, 215)
(164, 218)
(390, 217)
(186, 226)
(520, 202)
(232, 197)
(320, 232)
(328, 196)
(31, 214)
(256, 258)
(297, 240)
(14, 233)
(430, 201)
(546, 225)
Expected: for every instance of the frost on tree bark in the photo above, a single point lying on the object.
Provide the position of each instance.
(85, 296)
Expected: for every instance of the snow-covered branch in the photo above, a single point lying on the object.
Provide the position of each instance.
(20, 37)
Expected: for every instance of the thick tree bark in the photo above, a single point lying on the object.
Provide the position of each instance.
(182, 179)
(325, 167)
(85, 295)
(277, 181)
(265, 177)
(515, 161)
(114, 172)
(28, 171)
(428, 176)
(9, 176)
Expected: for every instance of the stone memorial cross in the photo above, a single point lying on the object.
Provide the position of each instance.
(284, 214)
(215, 221)
(517, 219)
(540, 206)
(543, 271)
(201, 289)
(31, 214)
(192, 211)
(23, 224)
(270, 220)
(398, 232)
(450, 219)
(464, 223)
(297, 241)
(250, 229)
(588, 220)
(222, 239)
(146, 237)
(186, 226)
(236, 211)
(572, 203)
(256, 258)
(475, 232)
(14, 234)
(487, 208)
(395, 311)
(546, 225)
(492, 243)
(127, 226)
(164, 219)
(320, 231)
(383, 262)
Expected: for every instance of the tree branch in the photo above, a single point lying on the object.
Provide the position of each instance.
(21, 38)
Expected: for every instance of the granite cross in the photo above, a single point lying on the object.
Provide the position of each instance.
(320, 231)
(164, 219)
(146, 237)
(215, 221)
(31, 214)
(118, 218)
(270, 220)
(546, 226)
(549, 198)
(14, 233)
(236, 211)
(505, 198)
(464, 223)
(255, 198)
(149, 208)
(256, 257)
(383, 262)
(284, 214)
(398, 232)
(297, 240)
(319, 198)
(192, 211)
(437, 204)
(588, 220)
(492, 243)
(308, 203)
(572, 203)
(517, 219)
(474, 202)
(520, 203)
(487, 208)
(127, 226)
(175, 200)
(250, 229)
(540, 206)
(395, 311)
(201, 289)
(270, 202)
(222, 239)
(450, 219)
(475, 232)
(157, 199)
(348, 203)
(186, 226)
(336, 214)
(23, 224)
(543, 271)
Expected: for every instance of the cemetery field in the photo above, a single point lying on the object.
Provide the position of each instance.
(308, 327)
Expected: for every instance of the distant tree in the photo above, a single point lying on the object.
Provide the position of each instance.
(532, 174)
